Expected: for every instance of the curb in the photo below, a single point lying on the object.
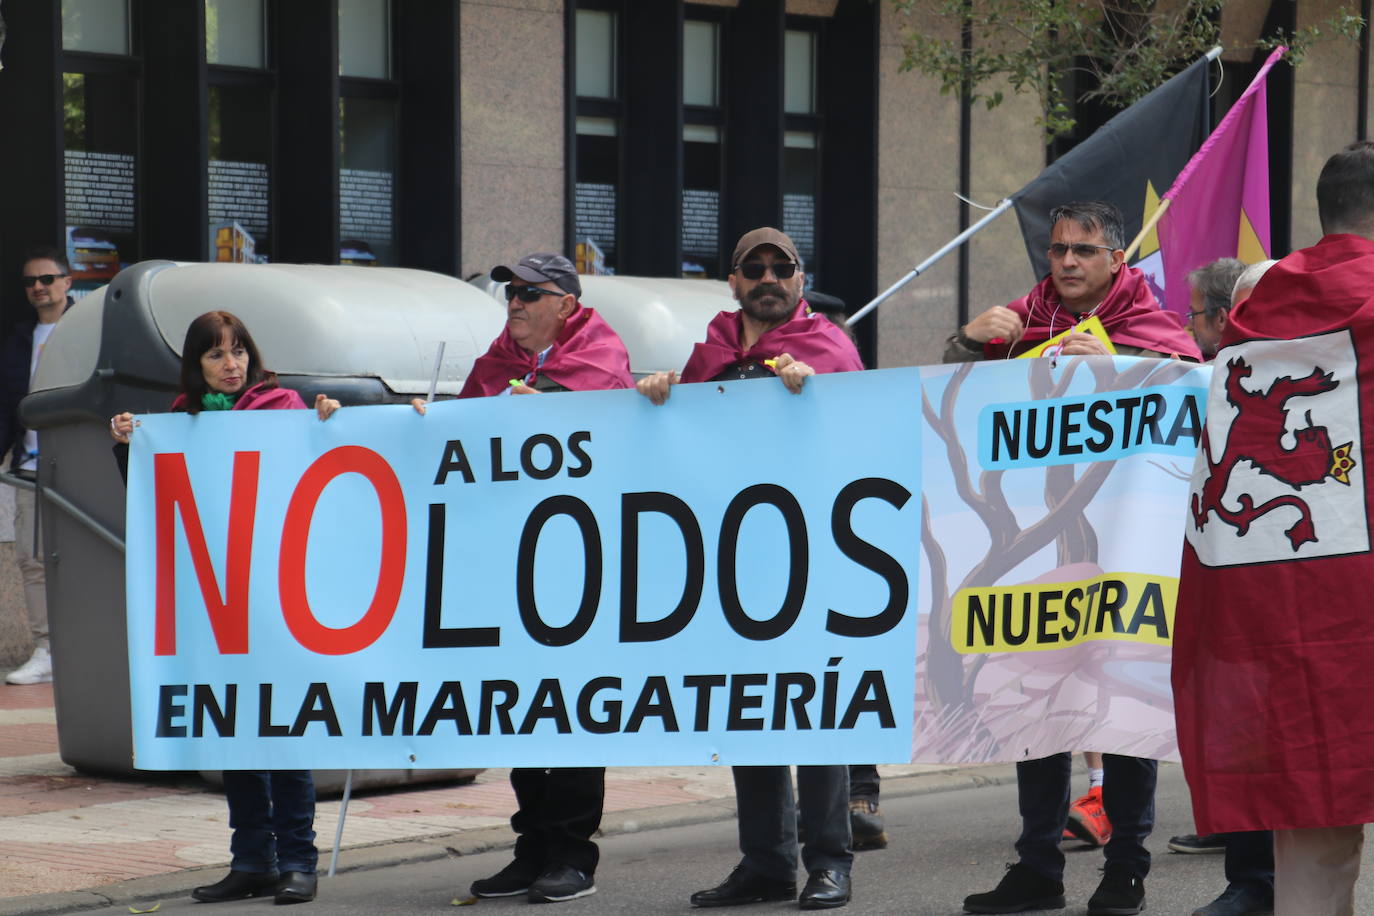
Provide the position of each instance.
(471, 842)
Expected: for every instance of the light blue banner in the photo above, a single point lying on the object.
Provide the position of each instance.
(571, 579)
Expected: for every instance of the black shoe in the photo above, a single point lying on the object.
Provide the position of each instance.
(866, 824)
(1240, 900)
(1192, 843)
(825, 889)
(238, 885)
(1120, 894)
(515, 878)
(1021, 888)
(743, 886)
(559, 883)
(296, 887)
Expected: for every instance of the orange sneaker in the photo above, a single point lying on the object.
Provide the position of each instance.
(1088, 819)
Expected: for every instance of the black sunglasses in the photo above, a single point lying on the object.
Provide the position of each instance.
(528, 293)
(754, 270)
(1081, 250)
(45, 279)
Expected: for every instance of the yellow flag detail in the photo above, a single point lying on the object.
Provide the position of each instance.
(1151, 243)
(1248, 247)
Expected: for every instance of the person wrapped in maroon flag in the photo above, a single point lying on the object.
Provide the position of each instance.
(551, 342)
(1088, 278)
(1274, 637)
(583, 355)
(774, 334)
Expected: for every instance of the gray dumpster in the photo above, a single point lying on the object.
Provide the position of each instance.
(364, 335)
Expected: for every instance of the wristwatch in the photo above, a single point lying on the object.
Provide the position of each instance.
(968, 343)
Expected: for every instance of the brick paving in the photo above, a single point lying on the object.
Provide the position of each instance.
(61, 830)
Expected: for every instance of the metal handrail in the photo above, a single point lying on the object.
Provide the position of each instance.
(67, 506)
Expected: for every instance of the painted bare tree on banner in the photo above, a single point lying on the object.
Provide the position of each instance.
(949, 721)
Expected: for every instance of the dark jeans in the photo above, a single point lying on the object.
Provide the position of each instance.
(1128, 794)
(272, 813)
(768, 812)
(1250, 859)
(863, 782)
(560, 809)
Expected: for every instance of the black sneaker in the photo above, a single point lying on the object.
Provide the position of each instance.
(1240, 900)
(515, 878)
(1120, 894)
(559, 883)
(866, 824)
(1192, 843)
(1021, 888)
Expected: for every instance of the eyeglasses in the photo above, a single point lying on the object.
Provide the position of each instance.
(1081, 250)
(528, 293)
(45, 279)
(754, 270)
(1192, 315)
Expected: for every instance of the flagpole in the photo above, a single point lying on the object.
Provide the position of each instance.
(1003, 206)
(1149, 224)
(958, 240)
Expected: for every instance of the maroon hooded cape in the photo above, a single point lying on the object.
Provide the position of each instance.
(587, 356)
(1130, 313)
(1273, 670)
(812, 339)
(257, 397)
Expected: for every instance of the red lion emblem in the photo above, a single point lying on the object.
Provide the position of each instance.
(1257, 436)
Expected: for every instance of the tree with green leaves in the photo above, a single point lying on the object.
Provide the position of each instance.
(1124, 47)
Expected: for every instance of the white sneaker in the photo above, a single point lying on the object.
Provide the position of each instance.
(37, 670)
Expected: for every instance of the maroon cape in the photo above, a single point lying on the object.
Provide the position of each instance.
(1130, 313)
(258, 398)
(813, 339)
(587, 356)
(1273, 670)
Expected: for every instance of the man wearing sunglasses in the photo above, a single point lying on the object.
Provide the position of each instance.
(774, 333)
(1088, 278)
(551, 342)
(47, 281)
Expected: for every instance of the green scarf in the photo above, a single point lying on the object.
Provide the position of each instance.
(214, 400)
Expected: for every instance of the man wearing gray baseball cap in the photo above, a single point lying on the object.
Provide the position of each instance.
(551, 342)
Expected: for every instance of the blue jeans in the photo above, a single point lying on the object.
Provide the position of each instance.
(768, 819)
(1128, 794)
(272, 813)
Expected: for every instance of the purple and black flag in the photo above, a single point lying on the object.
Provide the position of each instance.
(1130, 161)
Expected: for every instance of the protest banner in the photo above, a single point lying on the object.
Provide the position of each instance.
(578, 579)
(1055, 500)
(742, 576)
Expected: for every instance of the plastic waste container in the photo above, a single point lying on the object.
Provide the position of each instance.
(365, 335)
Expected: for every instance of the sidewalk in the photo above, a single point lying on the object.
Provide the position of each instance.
(68, 840)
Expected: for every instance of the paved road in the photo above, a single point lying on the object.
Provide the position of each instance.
(944, 846)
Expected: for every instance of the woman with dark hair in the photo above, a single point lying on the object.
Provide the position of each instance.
(271, 812)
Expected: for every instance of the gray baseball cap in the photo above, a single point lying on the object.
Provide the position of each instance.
(540, 267)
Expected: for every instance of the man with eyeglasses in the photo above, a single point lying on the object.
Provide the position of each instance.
(774, 334)
(1209, 302)
(47, 280)
(551, 342)
(1088, 278)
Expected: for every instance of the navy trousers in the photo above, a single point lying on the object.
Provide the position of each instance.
(560, 809)
(272, 813)
(1128, 794)
(768, 812)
